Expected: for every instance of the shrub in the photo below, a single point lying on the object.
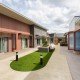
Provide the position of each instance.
(44, 42)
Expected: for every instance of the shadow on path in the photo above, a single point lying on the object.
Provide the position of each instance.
(45, 61)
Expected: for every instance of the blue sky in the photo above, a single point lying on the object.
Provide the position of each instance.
(55, 15)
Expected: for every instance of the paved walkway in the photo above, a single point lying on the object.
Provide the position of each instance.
(56, 69)
(73, 62)
(6, 73)
(9, 54)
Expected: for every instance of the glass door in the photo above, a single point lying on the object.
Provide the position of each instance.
(3, 44)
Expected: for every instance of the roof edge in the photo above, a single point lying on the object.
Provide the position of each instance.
(21, 15)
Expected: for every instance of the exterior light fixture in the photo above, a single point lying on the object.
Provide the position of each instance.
(16, 56)
(41, 59)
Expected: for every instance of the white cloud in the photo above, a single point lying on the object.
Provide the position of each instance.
(52, 14)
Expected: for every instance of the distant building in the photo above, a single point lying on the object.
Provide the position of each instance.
(38, 33)
(51, 37)
(60, 36)
(56, 37)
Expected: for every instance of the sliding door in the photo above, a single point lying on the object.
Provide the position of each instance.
(3, 44)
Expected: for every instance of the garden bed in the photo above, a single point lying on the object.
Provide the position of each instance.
(31, 61)
(45, 49)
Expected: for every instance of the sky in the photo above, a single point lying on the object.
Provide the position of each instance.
(55, 15)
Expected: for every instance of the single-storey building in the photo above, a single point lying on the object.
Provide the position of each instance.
(38, 34)
(74, 35)
(17, 32)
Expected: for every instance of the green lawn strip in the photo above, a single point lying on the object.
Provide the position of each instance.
(31, 61)
(45, 61)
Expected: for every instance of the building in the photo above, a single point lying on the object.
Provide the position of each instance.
(74, 35)
(38, 34)
(15, 31)
(55, 39)
(60, 36)
(51, 36)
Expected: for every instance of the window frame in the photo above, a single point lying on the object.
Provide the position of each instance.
(72, 32)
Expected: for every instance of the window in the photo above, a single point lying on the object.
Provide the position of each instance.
(3, 44)
(38, 41)
(71, 40)
(24, 43)
(51, 40)
(0, 44)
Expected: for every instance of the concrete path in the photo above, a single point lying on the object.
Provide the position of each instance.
(56, 69)
(9, 54)
(73, 62)
(6, 73)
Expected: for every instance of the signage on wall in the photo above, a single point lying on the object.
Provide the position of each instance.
(77, 41)
(71, 41)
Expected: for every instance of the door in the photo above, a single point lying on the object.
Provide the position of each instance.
(3, 44)
(38, 41)
(24, 43)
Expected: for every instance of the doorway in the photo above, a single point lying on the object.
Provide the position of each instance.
(3, 44)
(24, 43)
(38, 41)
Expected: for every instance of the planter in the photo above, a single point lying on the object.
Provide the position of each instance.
(41, 49)
(63, 44)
